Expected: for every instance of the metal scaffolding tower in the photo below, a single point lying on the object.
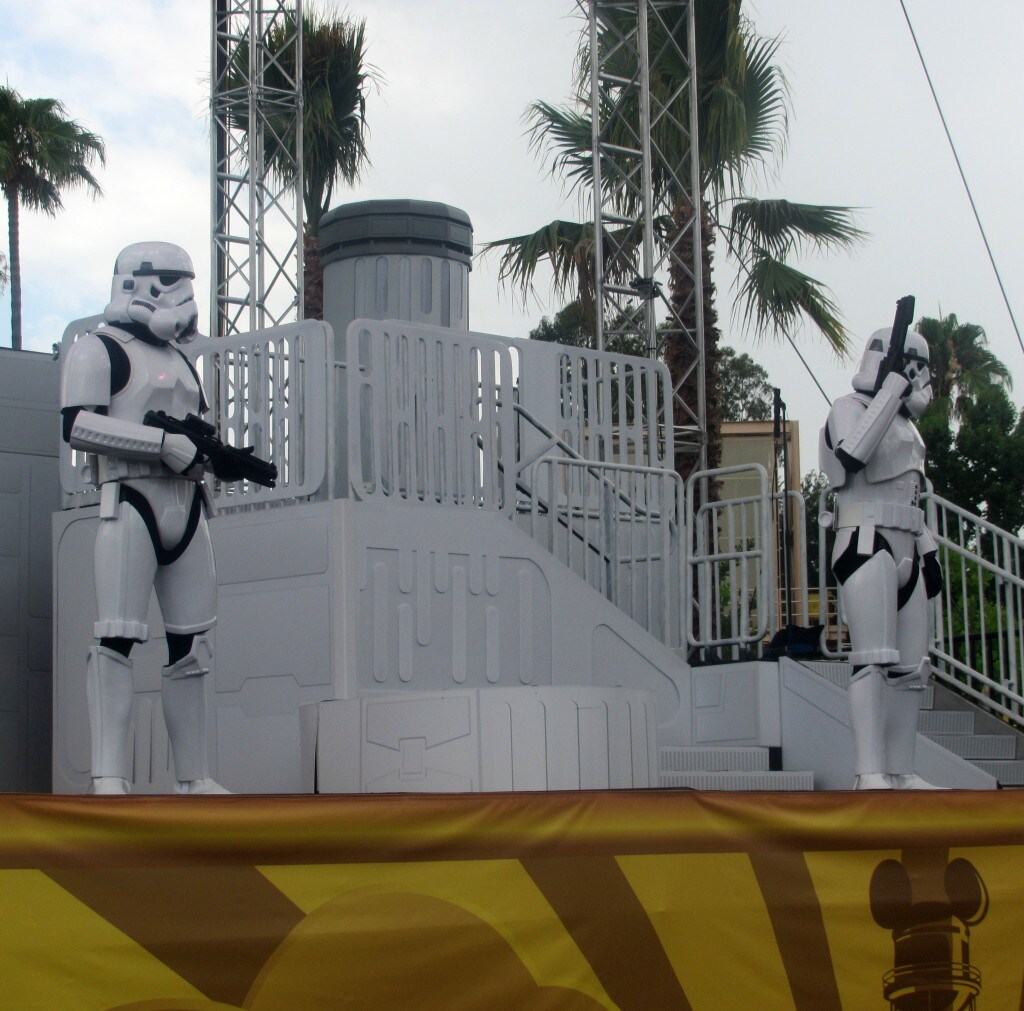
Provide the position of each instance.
(256, 178)
(646, 183)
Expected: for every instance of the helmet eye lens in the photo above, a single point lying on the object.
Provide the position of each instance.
(168, 279)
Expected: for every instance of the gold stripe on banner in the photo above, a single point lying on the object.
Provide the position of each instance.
(586, 900)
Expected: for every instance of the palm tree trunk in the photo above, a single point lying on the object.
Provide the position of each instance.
(312, 277)
(15, 264)
(680, 354)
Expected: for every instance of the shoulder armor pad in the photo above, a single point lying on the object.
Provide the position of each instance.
(85, 374)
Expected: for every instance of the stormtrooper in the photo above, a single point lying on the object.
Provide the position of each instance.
(884, 559)
(153, 531)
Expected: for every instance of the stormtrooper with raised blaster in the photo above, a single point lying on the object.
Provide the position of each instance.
(884, 559)
(153, 531)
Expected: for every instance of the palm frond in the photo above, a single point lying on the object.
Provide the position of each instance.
(774, 296)
(565, 135)
(563, 245)
(777, 226)
(743, 95)
(568, 249)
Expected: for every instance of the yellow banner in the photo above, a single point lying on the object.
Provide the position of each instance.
(641, 899)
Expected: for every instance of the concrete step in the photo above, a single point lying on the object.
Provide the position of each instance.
(946, 721)
(739, 780)
(971, 746)
(1008, 773)
(710, 759)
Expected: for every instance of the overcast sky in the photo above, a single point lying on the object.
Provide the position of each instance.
(447, 126)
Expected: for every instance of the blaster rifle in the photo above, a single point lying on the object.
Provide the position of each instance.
(228, 462)
(894, 357)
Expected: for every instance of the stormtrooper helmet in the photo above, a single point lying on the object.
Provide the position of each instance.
(874, 354)
(153, 286)
(916, 368)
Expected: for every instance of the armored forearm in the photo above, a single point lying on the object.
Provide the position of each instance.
(97, 433)
(856, 449)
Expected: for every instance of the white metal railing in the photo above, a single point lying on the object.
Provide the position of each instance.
(792, 597)
(270, 389)
(267, 389)
(606, 407)
(430, 416)
(834, 641)
(729, 582)
(619, 527)
(979, 615)
(430, 411)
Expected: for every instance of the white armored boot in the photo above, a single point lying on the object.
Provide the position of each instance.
(184, 703)
(903, 706)
(867, 720)
(109, 690)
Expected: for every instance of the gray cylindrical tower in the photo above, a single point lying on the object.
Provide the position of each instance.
(396, 259)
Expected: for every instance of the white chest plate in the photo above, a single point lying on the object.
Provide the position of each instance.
(901, 451)
(160, 380)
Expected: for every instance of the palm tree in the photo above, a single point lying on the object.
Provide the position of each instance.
(962, 366)
(41, 153)
(742, 116)
(335, 81)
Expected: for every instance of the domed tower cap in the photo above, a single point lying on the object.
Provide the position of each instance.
(396, 228)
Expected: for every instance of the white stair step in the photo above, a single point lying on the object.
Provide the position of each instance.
(836, 671)
(712, 759)
(739, 780)
(1008, 773)
(1001, 746)
(946, 721)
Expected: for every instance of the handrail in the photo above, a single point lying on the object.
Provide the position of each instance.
(632, 555)
(742, 618)
(524, 462)
(983, 585)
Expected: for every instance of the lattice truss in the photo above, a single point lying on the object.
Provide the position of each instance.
(646, 184)
(256, 111)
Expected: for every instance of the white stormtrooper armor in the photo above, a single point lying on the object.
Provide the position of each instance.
(884, 558)
(153, 531)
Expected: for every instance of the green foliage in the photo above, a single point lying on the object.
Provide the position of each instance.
(570, 326)
(961, 363)
(980, 465)
(747, 394)
(566, 327)
(42, 153)
(974, 434)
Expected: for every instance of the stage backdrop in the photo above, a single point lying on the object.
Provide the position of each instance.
(647, 899)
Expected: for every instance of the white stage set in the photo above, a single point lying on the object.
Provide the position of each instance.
(472, 573)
